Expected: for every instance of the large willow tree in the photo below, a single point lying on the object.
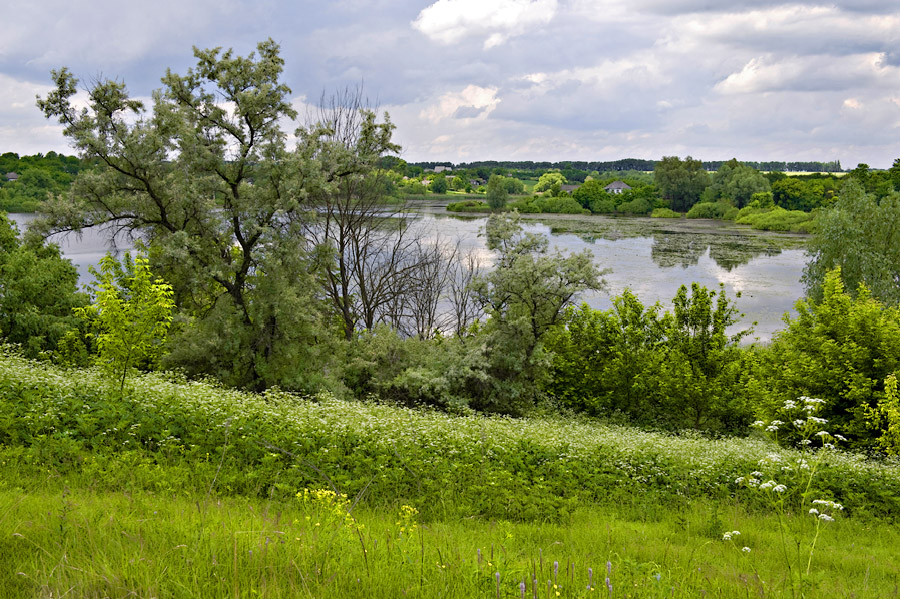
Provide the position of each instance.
(207, 180)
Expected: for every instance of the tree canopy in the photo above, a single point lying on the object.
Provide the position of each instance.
(680, 181)
(206, 180)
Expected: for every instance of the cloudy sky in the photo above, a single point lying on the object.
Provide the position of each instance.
(551, 80)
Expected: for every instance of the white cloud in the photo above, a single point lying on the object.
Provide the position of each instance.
(472, 102)
(810, 74)
(451, 21)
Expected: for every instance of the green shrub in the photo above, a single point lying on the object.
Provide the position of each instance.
(603, 206)
(559, 205)
(664, 213)
(776, 219)
(635, 206)
(840, 350)
(709, 210)
(468, 206)
(524, 206)
(675, 370)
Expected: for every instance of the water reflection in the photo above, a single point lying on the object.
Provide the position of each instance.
(652, 257)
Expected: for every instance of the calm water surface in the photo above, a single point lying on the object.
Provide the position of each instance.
(652, 257)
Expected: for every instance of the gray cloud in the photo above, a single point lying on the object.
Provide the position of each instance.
(564, 79)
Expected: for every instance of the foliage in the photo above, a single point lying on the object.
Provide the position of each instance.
(39, 177)
(664, 213)
(468, 206)
(550, 181)
(208, 183)
(496, 193)
(675, 370)
(737, 182)
(862, 237)
(129, 316)
(842, 349)
(680, 182)
(524, 297)
(635, 206)
(535, 469)
(38, 291)
(439, 184)
(590, 192)
(885, 418)
(777, 219)
(709, 210)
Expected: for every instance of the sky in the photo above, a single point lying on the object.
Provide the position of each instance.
(542, 80)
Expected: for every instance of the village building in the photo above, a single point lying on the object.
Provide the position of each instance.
(617, 187)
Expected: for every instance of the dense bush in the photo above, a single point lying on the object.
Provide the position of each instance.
(675, 370)
(635, 206)
(468, 206)
(840, 350)
(603, 206)
(38, 292)
(664, 213)
(709, 210)
(776, 219)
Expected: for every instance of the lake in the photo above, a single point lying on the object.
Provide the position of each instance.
(652, 257)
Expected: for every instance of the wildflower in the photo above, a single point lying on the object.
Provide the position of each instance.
(826, 518)
(790, 404)
(799, 423)
(779, 488)
(728, 535)
(758, 423)
(746, 550)
(814, 511)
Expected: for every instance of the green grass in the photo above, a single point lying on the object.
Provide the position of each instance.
(61, 538)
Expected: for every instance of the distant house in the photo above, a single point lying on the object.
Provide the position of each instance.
(617, 187)
(441, 169)
(12, 177)
(569, 188)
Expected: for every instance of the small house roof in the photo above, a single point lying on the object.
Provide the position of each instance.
(618, 185)
(11, 176)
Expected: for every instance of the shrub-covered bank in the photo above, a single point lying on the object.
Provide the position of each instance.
(528, 469)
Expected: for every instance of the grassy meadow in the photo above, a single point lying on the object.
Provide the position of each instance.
(184, 489)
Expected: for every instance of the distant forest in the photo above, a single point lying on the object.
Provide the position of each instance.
(634, 164)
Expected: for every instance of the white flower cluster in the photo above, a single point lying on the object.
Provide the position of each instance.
(826, 505)
(773, 486)
(729, 535)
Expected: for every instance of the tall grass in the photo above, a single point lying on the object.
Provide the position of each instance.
(60, 540)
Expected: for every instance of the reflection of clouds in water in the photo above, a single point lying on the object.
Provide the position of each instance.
(704, 252)
(652, 259)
